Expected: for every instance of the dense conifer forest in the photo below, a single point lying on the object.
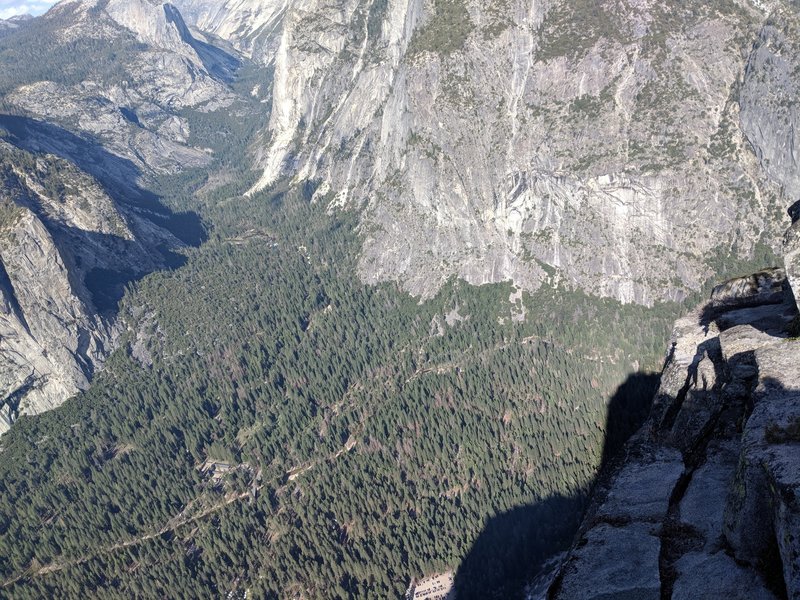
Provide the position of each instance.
(271, 426)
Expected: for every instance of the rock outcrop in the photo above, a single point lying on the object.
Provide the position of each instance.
(704, 503)
(67, 249)
(792, 251)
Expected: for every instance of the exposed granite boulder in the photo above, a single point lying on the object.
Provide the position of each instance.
(792, 250)
(703, 504)
(762, 520)
(717, 576)
(619, 549)
(764, 287)
(642, 488)
(614, 562)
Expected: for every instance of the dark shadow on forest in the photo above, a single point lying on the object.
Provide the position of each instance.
(514, 546)
(107, 278)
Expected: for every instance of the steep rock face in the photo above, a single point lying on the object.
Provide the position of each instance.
(769, 115)
(66, 251)
(533, 142)
(252, 26)
(51, 343)
(598, 144)
(792, 254)
(704, 504)
(770, 88)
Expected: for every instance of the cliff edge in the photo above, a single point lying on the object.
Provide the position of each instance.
(704, 502)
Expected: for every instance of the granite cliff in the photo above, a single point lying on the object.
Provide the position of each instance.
(609, 145)
(628, 149)
(704, 502)
(67, 250)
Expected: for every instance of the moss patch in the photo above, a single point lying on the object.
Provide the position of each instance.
(445, 32)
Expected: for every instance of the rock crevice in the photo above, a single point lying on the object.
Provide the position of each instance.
(704, 503)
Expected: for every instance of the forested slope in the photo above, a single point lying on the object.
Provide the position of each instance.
(370, 435)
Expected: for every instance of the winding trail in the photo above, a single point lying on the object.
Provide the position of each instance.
(178, 521)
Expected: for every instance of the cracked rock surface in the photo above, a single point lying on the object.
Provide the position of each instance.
(704, 504)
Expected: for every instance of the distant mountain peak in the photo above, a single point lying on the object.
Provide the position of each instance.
(14, 22)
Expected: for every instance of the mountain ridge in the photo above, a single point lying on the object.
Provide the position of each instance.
(108, 130)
